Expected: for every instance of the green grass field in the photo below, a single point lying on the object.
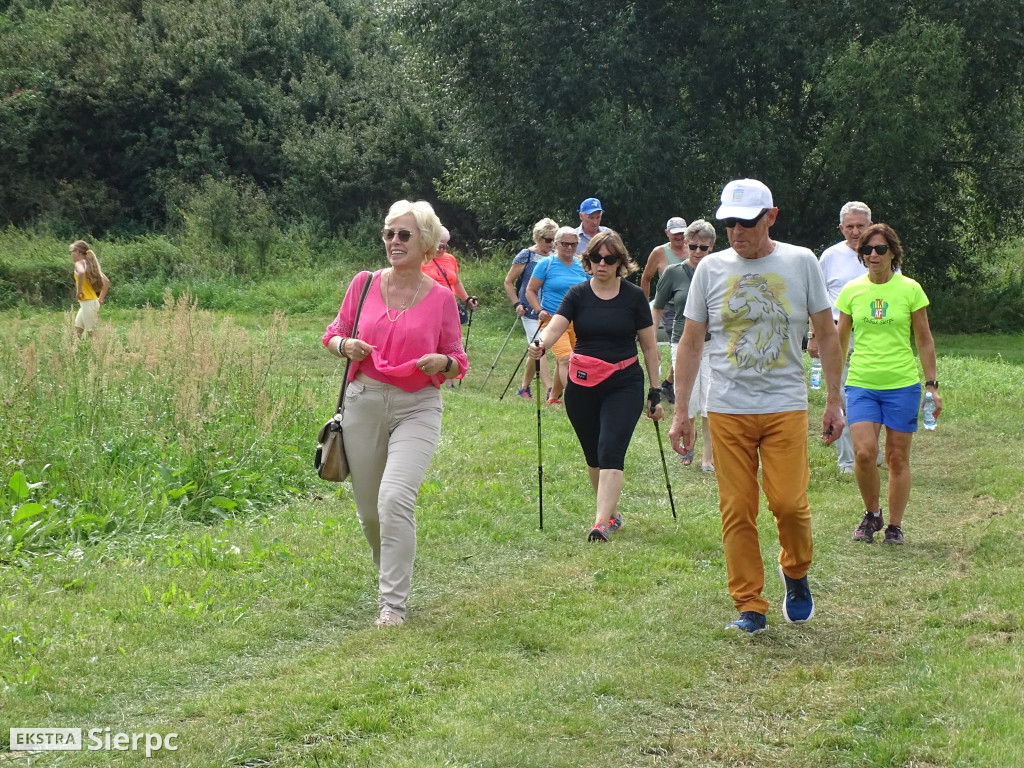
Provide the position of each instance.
(178, 568)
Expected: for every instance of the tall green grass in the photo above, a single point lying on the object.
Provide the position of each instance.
(177, 416)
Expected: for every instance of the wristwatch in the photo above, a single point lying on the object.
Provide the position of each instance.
(930, 383)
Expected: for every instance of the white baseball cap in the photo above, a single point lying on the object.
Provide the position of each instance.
(744, 199)
(675, 224)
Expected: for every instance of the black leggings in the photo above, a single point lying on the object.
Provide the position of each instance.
(605, 416)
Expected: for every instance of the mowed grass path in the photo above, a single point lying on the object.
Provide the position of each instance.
(254, 639)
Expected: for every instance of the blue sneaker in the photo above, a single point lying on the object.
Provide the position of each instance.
(615, 522)
(525, 393)
(751, 622)
(797, 605)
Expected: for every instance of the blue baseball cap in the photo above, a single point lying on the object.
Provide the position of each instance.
(590, 205)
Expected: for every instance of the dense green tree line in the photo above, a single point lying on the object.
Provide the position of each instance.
(116, 113)
(242, 116)
(914, 107)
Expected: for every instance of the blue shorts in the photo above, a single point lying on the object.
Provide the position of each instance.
(895, 408)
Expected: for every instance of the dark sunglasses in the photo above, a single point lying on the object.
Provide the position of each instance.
(732, 221)
(694, 247)
(881, 250)
(403, 234)
(548, 239)
(597, 258)
(574, 243)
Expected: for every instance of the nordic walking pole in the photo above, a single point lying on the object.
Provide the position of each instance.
(469, 327)
(512, 377)
(664, 466)
(515, 322)
(540, 460)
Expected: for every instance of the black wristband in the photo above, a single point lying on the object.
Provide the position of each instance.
(654, 396)
(448, 367)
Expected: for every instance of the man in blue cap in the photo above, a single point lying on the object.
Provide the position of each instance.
(755, 298)
(590, 218)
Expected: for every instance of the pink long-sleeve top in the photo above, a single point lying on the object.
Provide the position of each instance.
(432, 325)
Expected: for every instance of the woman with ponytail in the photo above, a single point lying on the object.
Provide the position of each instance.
(88, 277)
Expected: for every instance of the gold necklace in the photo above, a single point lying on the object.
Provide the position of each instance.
(387, 299)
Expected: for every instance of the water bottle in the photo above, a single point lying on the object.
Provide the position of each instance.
(815, 373)
(929, 411)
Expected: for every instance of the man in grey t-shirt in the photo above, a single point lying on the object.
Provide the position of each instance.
(755, 298)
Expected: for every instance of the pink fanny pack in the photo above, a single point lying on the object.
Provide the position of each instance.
(590, 371)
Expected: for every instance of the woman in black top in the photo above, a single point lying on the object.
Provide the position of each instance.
(605, 393)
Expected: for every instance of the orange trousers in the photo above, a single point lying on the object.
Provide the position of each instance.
(780, 441)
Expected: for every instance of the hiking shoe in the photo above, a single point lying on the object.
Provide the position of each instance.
(866, 530)
(797, 604)
(598, 533)
(525, 393)
(893, 535)
(388, 618)
(750, 622)
(614, 523)
(669, 391)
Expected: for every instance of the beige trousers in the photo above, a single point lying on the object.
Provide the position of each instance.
(390, 437)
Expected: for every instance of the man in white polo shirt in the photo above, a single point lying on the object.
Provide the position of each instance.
(839, 265)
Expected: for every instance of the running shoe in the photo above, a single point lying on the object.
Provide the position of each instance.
(893, 535)
(797, 603)
(868, 526)
(751, 622)
(614, 523)
(526, 394)
(598, 533)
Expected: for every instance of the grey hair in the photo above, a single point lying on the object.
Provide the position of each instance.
(562, 232)
(854, 206)
(701, 228)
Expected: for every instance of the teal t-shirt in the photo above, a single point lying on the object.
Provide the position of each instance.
(882, 356)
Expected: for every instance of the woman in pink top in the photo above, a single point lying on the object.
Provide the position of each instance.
(408, 342)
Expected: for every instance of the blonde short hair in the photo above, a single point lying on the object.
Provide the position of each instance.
(427, 222)
(544, 228)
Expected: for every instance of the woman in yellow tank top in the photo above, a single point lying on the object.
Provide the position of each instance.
(88, 275)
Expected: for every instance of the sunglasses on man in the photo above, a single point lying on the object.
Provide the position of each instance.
(732, 221)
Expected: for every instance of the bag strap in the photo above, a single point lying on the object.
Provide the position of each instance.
(443, 274)
(688, 270)
(348, 361)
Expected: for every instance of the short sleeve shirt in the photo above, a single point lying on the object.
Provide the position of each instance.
(882, 357)
(606, 328)
(673, 287)
(756, 311)
(529, 259)
(557, 279)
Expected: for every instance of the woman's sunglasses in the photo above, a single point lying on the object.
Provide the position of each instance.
(403, 234)
(881, 250)
(597, 258)
(694, 247)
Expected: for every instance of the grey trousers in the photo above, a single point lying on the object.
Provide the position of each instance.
(390, 437)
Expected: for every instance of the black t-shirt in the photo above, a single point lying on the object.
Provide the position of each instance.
(606, 329)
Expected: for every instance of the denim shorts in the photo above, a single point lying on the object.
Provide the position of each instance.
(895, 408)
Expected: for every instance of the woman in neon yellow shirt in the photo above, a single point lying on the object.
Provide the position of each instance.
(88, 276)
(881, 308)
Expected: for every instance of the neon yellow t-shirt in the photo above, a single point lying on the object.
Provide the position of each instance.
(882, 356)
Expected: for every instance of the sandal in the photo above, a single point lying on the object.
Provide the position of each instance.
(687, 460)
